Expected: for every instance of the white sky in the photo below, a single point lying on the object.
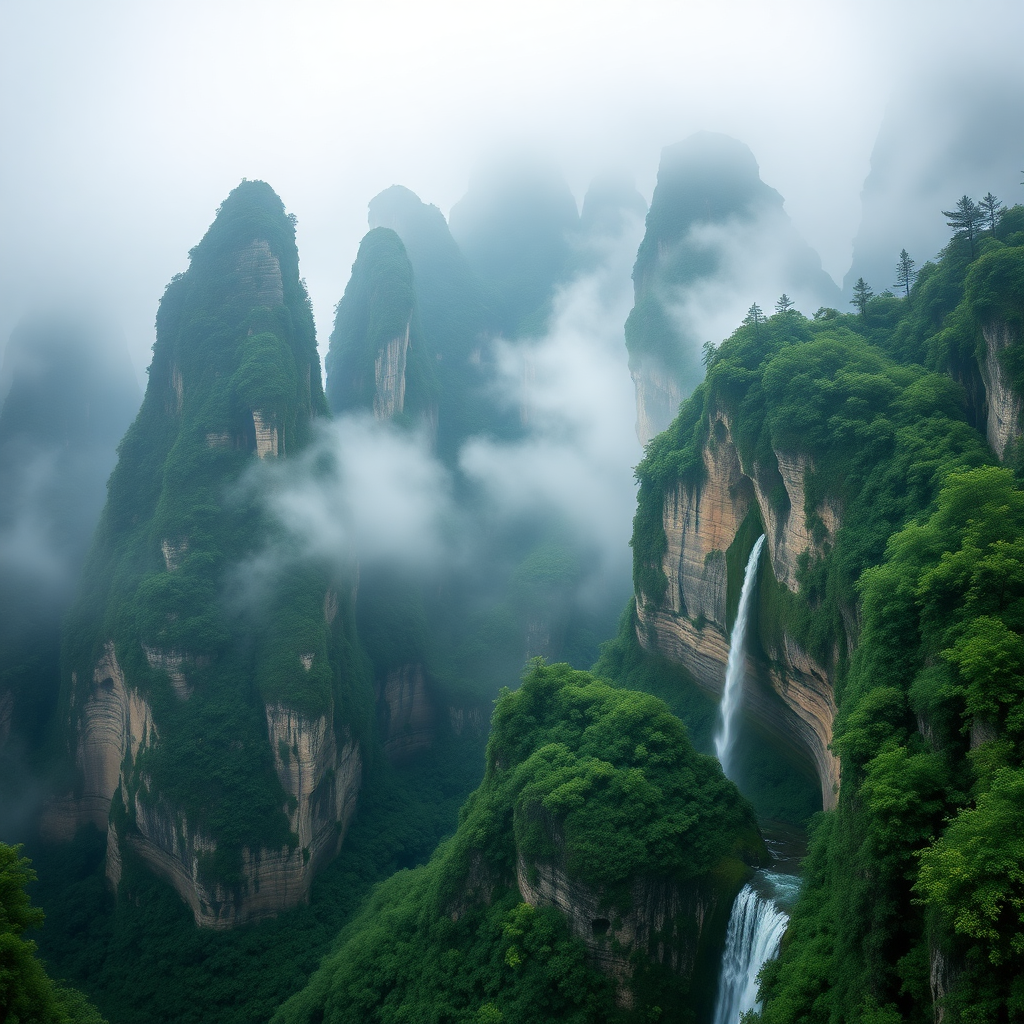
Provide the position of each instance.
(124, 123)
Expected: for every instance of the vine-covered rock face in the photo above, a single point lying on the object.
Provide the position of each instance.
(176, 671)
(596, 820)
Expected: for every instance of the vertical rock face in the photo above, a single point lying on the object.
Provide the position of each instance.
(1002, 424)
(389, 377)
(688, 625)
(663, 923)
(322, 782)
(408, 717)
(714, 228)
(206, 735)
(367, 363)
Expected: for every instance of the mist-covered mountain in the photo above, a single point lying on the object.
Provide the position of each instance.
(418, 345)
(718, 240)
(515, 225)
(213, 725)
(291, 626)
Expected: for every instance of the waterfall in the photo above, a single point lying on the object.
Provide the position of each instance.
(755, 930)
(732, 695)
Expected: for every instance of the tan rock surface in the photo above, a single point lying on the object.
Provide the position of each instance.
(689, 625)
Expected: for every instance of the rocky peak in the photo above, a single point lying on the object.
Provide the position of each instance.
(235, 376)
(367, 358)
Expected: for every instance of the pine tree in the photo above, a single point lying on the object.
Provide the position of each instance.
(783, 304)
(965, 219)
(992, 211)
(905, 272)
(755, 316)
(861, 295)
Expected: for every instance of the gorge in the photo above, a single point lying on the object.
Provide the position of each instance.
(262, 715)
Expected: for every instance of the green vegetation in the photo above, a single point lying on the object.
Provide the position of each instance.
(879, 436)
(139, 955)
(781, 786)
(913, 885)
(599, 782)
(379, 306)
(165, 581)
(922, 858)
(27, 995)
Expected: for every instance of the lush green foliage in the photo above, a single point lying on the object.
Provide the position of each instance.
(27, 995)
(920, 856)
(913, 885)
(879, 437)
(166, 578)
(599, 781)
(781, 788)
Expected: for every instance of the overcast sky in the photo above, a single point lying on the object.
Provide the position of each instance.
(124, 124)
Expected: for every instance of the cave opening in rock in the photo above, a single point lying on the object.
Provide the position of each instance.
(600, 925)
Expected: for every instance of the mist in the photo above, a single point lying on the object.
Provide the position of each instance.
(124, 125)
(375, 495)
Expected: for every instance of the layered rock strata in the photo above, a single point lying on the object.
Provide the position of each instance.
(688, 626)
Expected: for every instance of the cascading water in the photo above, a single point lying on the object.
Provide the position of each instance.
(755, 930)
(732, 695)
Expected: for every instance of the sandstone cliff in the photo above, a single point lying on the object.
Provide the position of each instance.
(1002, 422)
(794, 698)
(320, 770)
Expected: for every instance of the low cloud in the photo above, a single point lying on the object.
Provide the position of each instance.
(757, 262)
(369, 492)
(575, 462)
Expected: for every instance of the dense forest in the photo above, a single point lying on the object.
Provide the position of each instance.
(271, 790)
